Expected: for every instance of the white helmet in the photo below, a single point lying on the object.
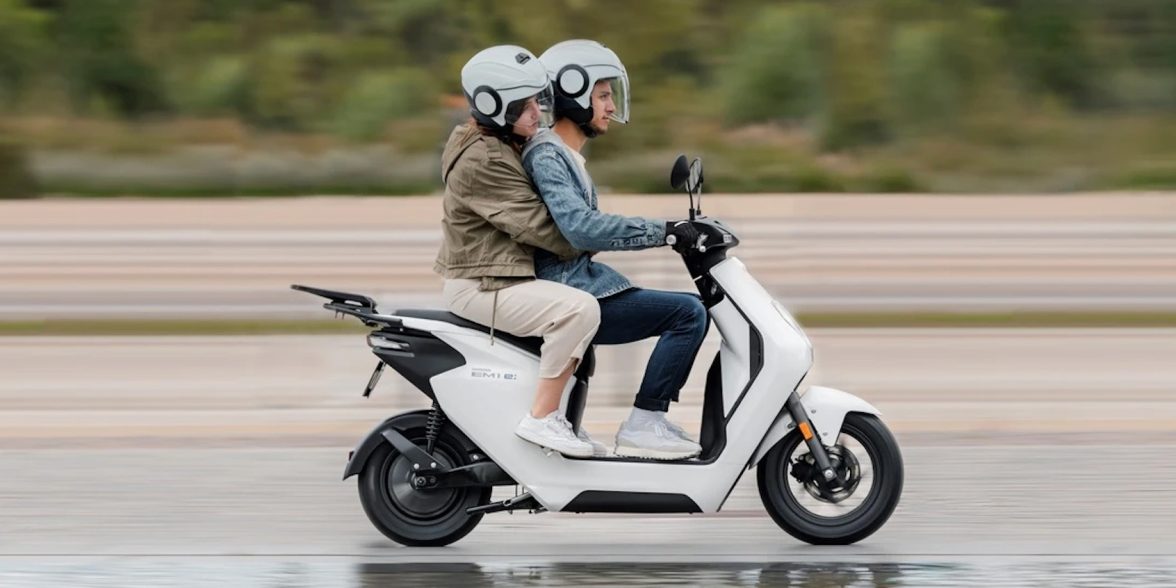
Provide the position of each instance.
(498, 81)
(575, 66)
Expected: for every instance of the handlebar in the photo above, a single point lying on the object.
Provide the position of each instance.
(672, 240)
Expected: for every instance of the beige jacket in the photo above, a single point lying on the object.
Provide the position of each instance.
(493, 220)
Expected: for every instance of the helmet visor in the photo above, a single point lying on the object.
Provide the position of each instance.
(527, 115)
(619, 88)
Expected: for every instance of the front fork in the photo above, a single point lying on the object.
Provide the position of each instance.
(827, 476)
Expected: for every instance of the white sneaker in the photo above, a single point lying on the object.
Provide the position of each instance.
(651, 437)
(679, 431)
(553, 432)
(598, 449)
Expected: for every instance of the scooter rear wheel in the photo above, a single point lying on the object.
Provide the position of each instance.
(419, 517)
(866, 456)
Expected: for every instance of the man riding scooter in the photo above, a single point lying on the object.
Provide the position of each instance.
(591, 89)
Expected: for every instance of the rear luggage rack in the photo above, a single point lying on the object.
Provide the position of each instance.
(357, 300)
(356, 305)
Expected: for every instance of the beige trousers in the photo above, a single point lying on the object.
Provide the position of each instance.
(566, 318)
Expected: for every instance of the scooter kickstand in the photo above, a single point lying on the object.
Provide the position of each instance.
(522, 501)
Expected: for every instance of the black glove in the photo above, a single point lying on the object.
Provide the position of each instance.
(684, 233)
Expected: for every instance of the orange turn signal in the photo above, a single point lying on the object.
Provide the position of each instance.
(806, 431)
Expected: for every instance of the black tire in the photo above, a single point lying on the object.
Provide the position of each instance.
(883, 492)
(420, 518)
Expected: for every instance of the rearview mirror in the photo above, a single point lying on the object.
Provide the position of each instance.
(680, 173)
(694, 184)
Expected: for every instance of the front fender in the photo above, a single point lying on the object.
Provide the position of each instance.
(826, 408)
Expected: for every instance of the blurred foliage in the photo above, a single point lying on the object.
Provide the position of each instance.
(296, 81)
(925, 85)
(855, 112)
(16, 180)
(103, 68)
(778, 71)
(1052, 52)
(785, 95)
(379, 97)
(22, 45)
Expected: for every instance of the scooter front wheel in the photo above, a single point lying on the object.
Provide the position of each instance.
(867, 459)
(419, 517)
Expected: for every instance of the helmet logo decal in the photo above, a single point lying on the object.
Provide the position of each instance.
(573, 81)
(487, 101)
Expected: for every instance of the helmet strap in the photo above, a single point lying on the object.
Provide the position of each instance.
(568, 108)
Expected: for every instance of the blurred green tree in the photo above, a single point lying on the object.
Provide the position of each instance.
(924, 84)
(779, 71)
(1049, 45)
(22, 46)
(375, 98)
(100, 59)
(296, 81)
(855, 108)
(16, 179)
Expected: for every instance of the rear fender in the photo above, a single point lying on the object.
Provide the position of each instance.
(400, 423)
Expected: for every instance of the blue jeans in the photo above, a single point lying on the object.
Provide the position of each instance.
(677, 318)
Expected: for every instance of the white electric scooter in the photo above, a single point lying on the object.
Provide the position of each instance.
(829, 470)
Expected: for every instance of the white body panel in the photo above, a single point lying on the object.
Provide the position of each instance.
(734, 351)
(486, 398)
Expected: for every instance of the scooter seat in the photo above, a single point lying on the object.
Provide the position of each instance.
(528, 344)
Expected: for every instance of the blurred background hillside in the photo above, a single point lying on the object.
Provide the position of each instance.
(255, 97)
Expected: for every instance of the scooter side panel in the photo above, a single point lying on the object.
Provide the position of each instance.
(487, 409)
(786, 350)
(734, 351)
(489, 394)
(486, 405)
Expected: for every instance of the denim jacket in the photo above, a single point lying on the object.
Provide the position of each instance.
(570, 196)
